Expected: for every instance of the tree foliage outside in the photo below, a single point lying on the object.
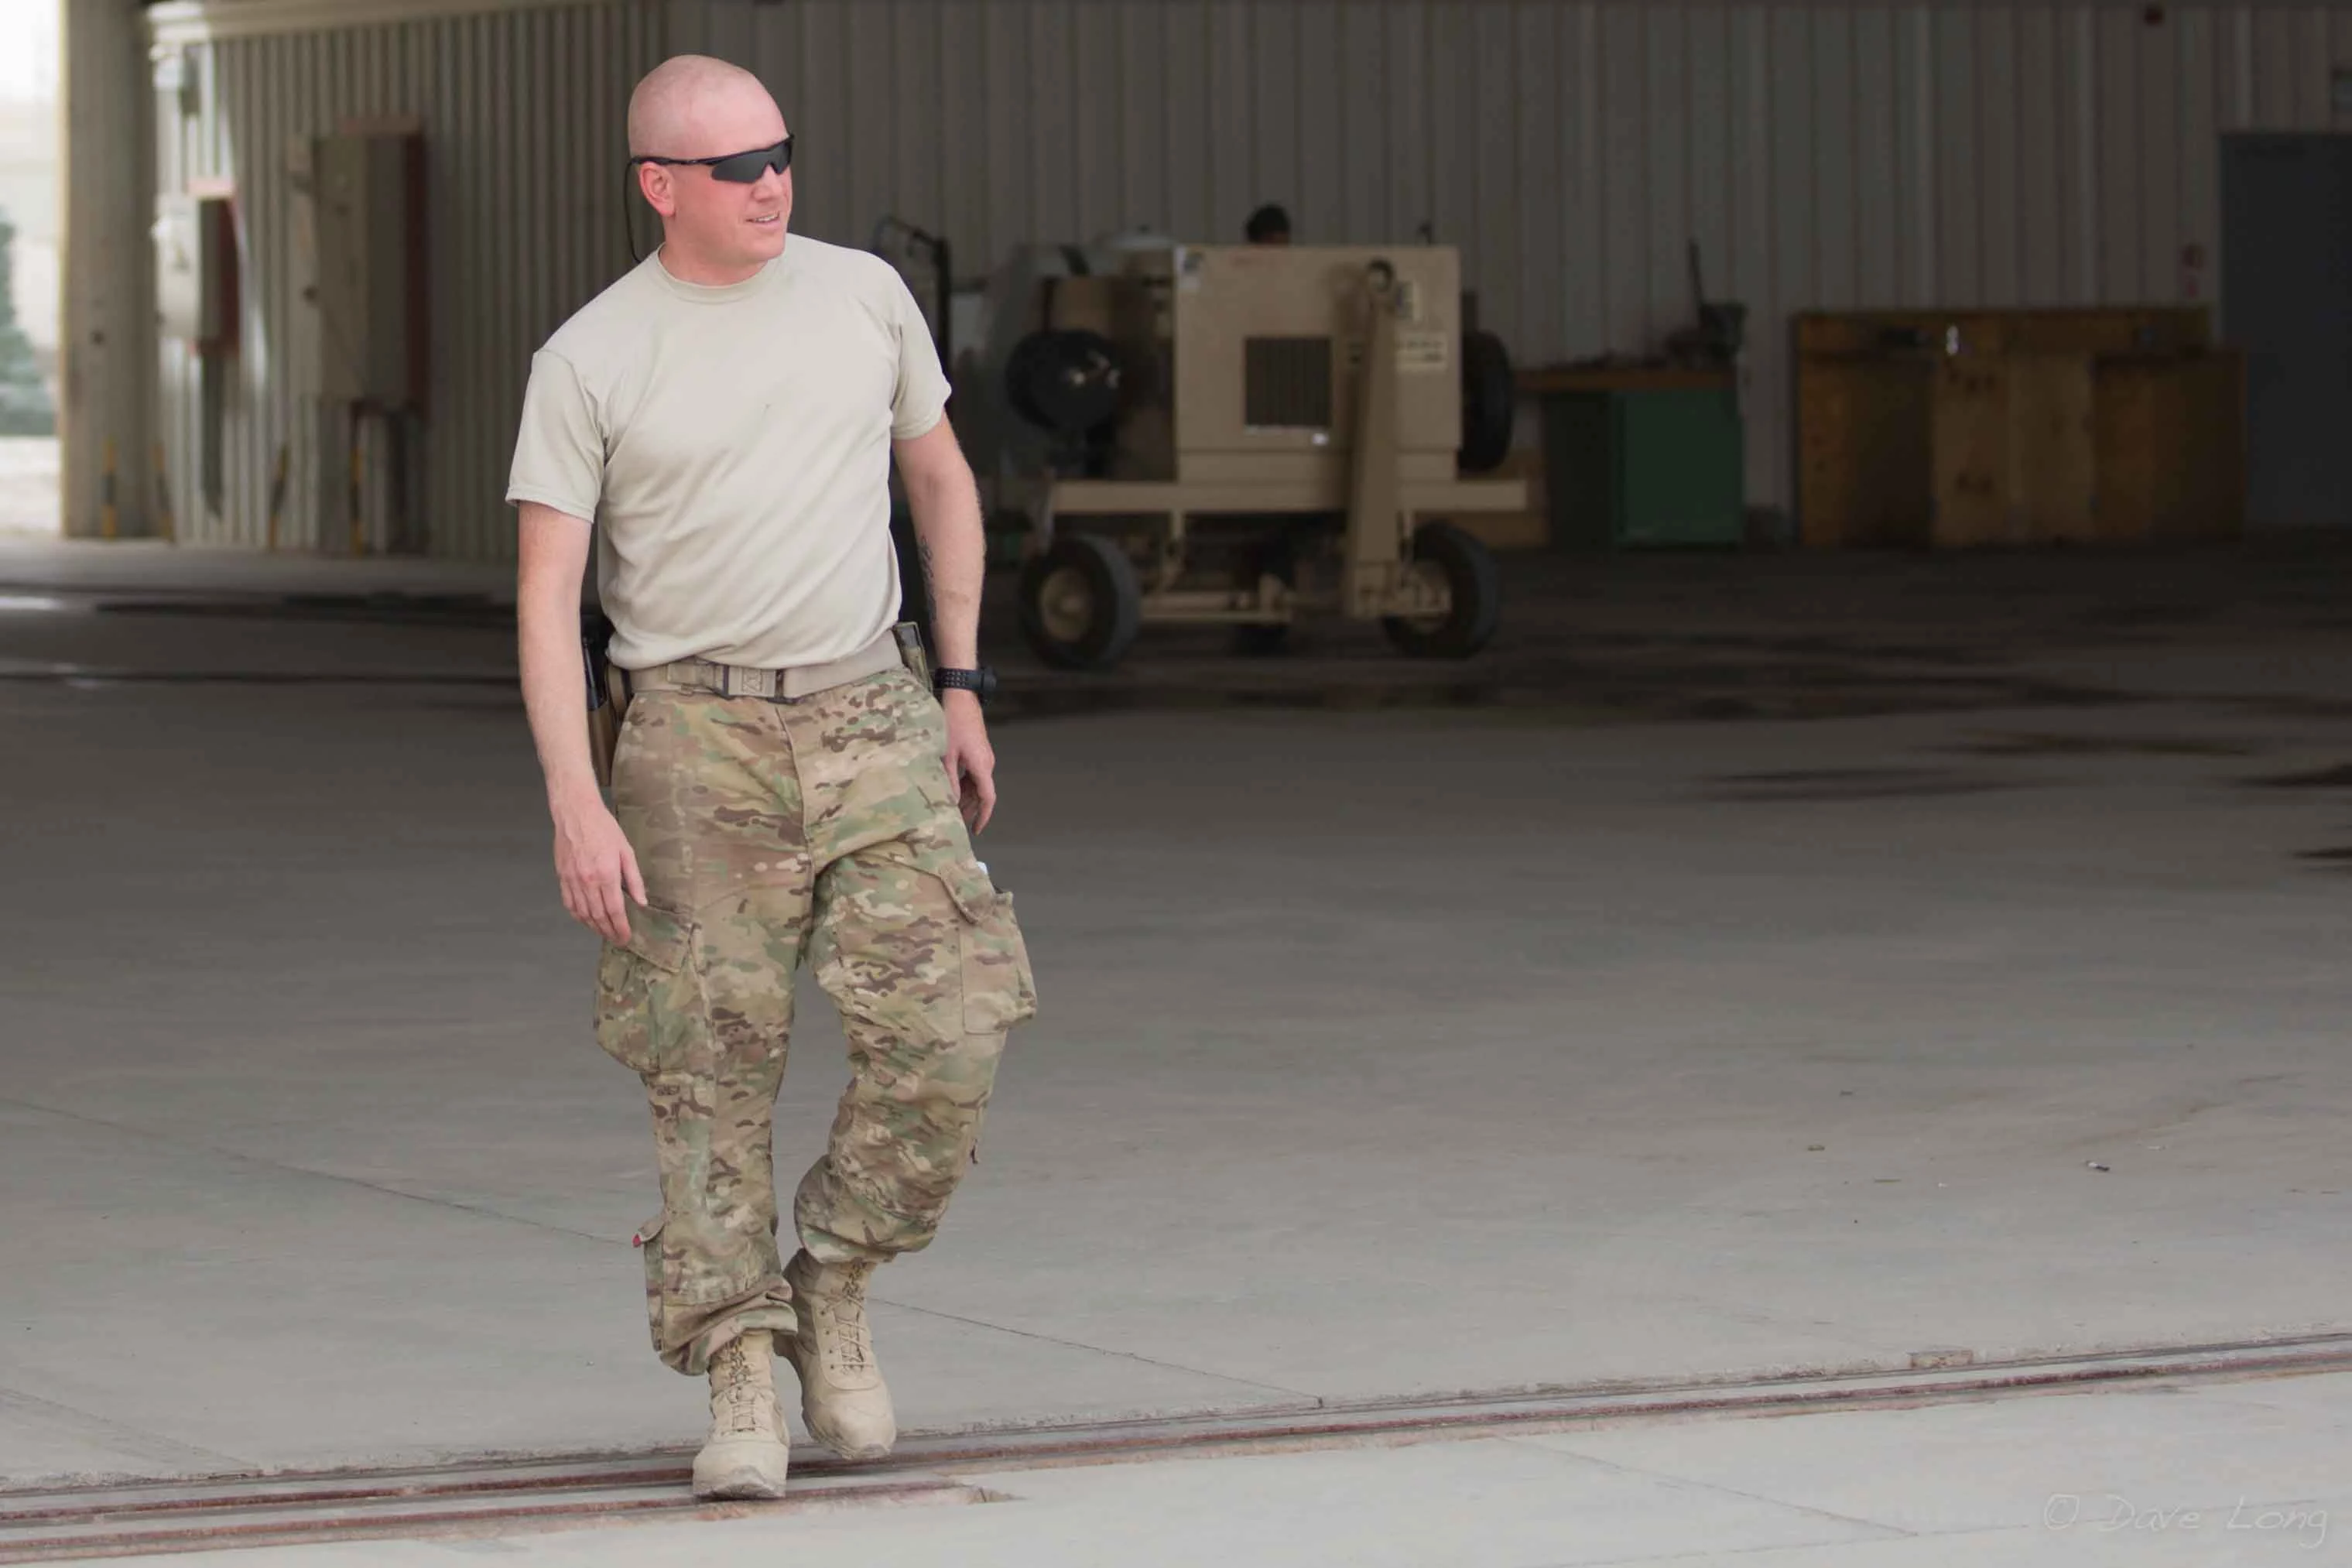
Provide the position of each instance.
(25, 406)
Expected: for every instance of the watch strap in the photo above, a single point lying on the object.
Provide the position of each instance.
(981, 682)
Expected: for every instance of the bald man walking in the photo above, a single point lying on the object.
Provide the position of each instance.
(721, 423)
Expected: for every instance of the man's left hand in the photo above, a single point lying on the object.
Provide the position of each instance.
(971, 764)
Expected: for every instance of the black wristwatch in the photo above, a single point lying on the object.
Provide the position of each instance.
(981, 682)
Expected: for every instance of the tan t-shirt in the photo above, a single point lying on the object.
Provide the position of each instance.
(732, 446)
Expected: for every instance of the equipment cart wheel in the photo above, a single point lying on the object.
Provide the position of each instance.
(1476, 588)
(1080, 604)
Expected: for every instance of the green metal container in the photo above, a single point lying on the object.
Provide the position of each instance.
(1650, 468)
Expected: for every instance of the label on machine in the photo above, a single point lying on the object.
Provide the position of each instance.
(1420, 351)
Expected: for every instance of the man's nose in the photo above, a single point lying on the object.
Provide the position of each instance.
(771, 185)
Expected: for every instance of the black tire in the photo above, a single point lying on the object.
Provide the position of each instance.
(1065, 381)
(1477, 589)
(1490, 402)
(1080, 604)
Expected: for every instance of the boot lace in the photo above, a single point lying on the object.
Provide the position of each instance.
(740, 1396)
(848, 1342)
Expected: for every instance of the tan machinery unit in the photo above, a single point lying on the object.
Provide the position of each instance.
(1240, 434)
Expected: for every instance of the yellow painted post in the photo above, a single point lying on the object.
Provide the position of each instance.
(359, 532)
(164, 529)
(109, 523)
(277, 494)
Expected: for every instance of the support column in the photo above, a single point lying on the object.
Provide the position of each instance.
(108, 340)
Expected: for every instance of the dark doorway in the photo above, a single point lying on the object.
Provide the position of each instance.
(2287, 298)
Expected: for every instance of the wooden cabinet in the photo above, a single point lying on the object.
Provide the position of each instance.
(2171, 447)
(2030, 428)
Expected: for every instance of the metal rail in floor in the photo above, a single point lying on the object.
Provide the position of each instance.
(508, 1497)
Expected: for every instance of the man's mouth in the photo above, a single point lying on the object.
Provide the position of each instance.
(769, 217)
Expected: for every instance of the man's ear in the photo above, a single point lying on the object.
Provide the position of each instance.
(654, 183)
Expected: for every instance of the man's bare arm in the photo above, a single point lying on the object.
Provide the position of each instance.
(946, 505)
(553, 560)
(593, 859)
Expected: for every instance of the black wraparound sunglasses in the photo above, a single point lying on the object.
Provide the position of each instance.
(737, 168)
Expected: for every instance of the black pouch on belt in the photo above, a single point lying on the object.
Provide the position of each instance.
(608, 693)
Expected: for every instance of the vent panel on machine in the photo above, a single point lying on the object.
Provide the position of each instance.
(1288, 383)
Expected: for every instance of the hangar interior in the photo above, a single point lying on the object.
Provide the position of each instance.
(1832, 158)
(1869, 907)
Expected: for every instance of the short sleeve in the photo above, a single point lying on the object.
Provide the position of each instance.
(558, 458)
(920, 395)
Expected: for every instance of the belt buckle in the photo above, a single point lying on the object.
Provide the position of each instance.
(754, 682)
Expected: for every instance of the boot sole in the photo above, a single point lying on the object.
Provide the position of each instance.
(756, 1476)
(870, 1451)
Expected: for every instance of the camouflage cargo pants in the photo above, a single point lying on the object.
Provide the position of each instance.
(768, 832)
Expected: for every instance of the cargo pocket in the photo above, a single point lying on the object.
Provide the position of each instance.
(648, 999)
(999, 989)
(648, 1239)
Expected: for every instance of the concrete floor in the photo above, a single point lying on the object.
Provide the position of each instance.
(2165, 1476)
(1745, 967)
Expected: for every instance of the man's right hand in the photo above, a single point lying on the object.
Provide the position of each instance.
(594, 862)
(597, 866)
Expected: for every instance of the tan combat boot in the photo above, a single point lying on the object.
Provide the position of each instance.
(747, 1454)
(843, 1398)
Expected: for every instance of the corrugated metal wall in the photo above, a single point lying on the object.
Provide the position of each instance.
(521, 112)
(1822, 155)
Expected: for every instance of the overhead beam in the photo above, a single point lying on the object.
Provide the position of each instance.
(179, 22)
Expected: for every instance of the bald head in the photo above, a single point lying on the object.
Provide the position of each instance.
(692, 106)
